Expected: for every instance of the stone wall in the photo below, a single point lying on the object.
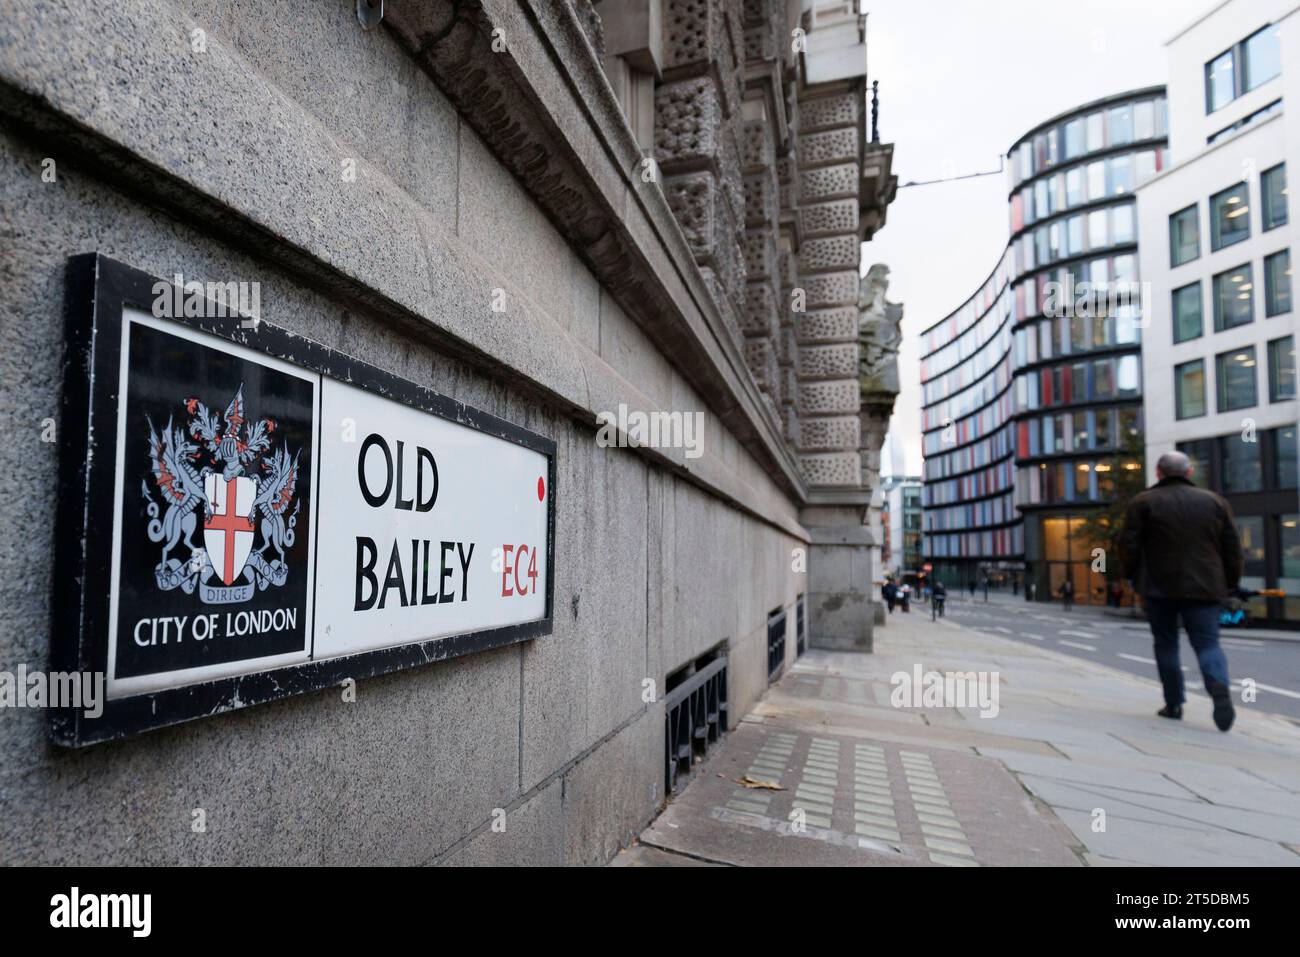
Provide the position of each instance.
(479, 173)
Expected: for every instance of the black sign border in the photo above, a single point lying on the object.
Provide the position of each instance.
(97, 291)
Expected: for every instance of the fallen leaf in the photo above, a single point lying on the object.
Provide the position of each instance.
(749, 782)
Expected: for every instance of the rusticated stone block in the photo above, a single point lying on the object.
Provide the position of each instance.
(688, 122)
(827, 324)
(838, 216)
(828, 398)
(762, 363)
(835, 361)
(829, 182)
(692, 31)
(694, 201)
(789, 386)
(831, 289)
(831, 435)
(825, 111)
(760, 198)
(756, 148)
(760, 255)
(760, 311)
(830, 468)
(834, 252)
(829, 146)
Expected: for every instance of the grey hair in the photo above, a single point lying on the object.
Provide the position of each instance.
(1174, 465)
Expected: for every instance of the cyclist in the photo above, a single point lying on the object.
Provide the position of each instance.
(937, 597)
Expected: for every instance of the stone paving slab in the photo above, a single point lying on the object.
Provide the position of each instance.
(926, 786)
(861, 802)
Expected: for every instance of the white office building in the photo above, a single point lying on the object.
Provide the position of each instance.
(1218, 228)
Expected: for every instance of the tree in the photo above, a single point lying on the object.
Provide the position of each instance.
(1120, 477)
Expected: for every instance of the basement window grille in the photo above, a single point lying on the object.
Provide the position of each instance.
(775, 642)
(695, 715)
(799, 643)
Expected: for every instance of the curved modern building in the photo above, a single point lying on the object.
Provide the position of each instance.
(1032, 388)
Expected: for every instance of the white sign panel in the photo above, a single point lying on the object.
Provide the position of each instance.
(428, 528)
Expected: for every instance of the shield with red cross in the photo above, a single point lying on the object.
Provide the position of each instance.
(228, 532)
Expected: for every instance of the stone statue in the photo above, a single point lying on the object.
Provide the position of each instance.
(879, 335)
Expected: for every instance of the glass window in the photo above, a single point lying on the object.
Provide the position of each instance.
(1120, 171)
(1081, 430)
(1251, 528)
(1121, 222)
(1103, 379)
(1189, 389)
(1233, 298)
(1074, 229)
(1234, 374)
(1284, 457)
(1102, 430)
(1042, 205)
(1145, 165)
(1187, 312)
(1144, 120)
(1097, 229)
(1130, 423)
(1097, 180)
(1184, 236)
(1121, 125)
(1074, 186)
(1096, 132)
(1263, 59)
(1272, 189)
(1127, 375)
(1229, 216)
(1242, 469)
(1281, 369)
(1220, 84)
(1277, 283)
(1074, 138)
(1201, 453)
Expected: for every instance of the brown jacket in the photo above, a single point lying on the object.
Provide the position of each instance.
(1180, 541)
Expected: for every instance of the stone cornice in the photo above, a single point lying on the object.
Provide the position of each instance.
(544, 108)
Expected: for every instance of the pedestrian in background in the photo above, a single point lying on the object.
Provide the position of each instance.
(1067, 594)
(889, 591)
(1181, 549)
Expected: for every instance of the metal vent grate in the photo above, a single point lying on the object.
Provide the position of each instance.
(775, 642)
(695, 715)
(800, 645)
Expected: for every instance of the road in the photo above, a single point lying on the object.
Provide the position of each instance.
(1126, 645)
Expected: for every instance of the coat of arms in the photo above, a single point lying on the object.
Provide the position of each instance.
(221, 474)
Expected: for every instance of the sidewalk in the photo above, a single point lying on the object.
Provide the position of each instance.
(1075, 769)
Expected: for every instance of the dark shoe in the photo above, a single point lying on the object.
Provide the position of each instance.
(1171, 711)
(1224, 714)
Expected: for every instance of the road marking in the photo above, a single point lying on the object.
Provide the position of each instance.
(1035, 637)
(1138, 658)
(1076, 644)
(1281, 691)
(1005, 631)
(1081, 634)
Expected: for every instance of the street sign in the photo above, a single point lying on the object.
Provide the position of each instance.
(246, 514)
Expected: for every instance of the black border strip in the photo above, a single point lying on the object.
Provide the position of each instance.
(97, 291)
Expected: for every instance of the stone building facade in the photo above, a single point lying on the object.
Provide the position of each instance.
(546, 211)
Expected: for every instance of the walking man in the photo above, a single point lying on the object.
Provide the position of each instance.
(1067, 594)
(1181, 549)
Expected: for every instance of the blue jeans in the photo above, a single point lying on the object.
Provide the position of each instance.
(1201, 619)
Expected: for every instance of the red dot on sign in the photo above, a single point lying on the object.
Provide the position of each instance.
(541, 489)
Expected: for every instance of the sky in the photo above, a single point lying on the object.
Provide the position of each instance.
(959, 83)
